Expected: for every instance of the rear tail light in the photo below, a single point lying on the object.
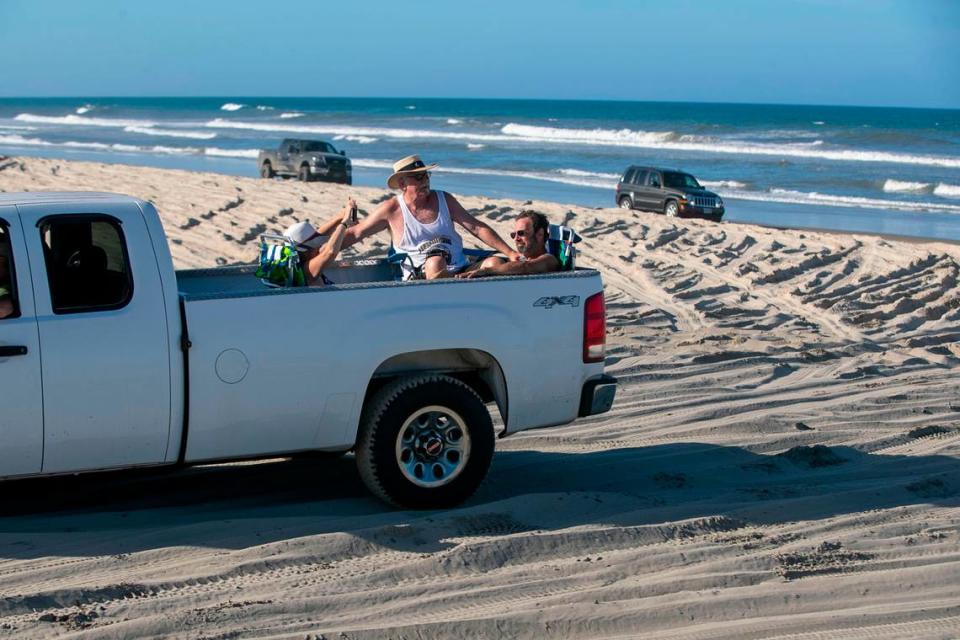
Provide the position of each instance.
(618, 187)
(594, 328)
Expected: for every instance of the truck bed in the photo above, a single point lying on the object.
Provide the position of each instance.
(241, 281)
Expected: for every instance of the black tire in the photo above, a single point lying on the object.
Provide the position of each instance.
(304, 174)
(266, 170)
(671, 209)
(403, 421)
(624, 203)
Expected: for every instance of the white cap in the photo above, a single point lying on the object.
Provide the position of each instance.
(304, 234)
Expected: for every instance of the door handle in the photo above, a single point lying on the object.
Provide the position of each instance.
(13, 350)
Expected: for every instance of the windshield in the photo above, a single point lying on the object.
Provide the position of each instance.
(680, 181)
(319, 147)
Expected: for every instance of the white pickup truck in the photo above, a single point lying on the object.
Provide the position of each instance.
(111, 359)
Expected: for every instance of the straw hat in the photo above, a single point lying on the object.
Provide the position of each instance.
(407, 166)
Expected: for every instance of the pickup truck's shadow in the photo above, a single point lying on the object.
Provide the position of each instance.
(238, 506)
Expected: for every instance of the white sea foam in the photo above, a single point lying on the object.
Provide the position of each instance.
(97, 146)
(947, 190)
(579, 173)
(454, 121)
(371, 164)
(84, 109)
(14, 127)
(232, 106)
(263, 107)
(21, 141)
(411, 107)
(668, 140)
(83, 121)
(373, 132)
(359, 139)
(898, 186)
(475, 146)
(291, 114)
(818, 122)
(231, 153)
(614, 137)
(605, 137)
(171, 133)
(790, 196)
(723, 184)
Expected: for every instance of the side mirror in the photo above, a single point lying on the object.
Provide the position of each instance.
(343, 153)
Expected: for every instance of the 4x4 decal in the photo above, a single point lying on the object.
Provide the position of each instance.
(549, 302)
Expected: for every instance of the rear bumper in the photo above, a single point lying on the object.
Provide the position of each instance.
(597, 395)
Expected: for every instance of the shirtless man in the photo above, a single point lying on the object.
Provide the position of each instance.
(421, 220)
(530, 233)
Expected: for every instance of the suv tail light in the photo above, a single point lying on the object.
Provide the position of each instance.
(594, 328)
(618, 188)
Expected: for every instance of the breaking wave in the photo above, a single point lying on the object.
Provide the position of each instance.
(150, 131)
(947, 190)
(83, 121)
(669, 140)
(232, 106)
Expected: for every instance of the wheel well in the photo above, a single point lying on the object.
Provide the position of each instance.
(477, 369)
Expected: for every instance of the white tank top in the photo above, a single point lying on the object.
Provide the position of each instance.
(423, 240)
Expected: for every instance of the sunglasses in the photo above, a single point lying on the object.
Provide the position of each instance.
(419, 177)
(518, 234)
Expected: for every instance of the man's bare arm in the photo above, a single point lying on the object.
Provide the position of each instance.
(541, 264)
(481, 230)
(376, 221)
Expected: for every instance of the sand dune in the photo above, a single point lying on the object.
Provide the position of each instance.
(783, 460)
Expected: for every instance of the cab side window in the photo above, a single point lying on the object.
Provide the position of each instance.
(654, 179)
(640, 177)
(8, 283)
(87, 263)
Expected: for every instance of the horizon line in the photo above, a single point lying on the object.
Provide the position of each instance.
(487, 99)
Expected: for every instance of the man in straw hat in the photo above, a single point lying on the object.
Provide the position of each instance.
(421, 220)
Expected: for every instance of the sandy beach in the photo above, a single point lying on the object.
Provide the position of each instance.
(783, 459)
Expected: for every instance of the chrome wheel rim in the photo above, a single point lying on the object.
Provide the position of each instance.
(433, 446)
(671, 210)
(624, 204)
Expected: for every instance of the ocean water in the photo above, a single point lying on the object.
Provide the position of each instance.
(847, 168)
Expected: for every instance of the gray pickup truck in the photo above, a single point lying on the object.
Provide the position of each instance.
(308, 160)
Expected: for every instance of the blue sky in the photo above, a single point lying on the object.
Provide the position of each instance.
(860, 52)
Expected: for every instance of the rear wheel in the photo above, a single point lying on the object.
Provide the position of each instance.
(625, 203)
(266, 170)
(425, 442)
(304, 173)
(671, 209)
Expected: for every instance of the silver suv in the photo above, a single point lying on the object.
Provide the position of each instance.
(674, 193)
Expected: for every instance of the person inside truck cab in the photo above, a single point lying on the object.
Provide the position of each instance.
(530, 231)
(319, 246)
(421, 224)
(6, 286)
